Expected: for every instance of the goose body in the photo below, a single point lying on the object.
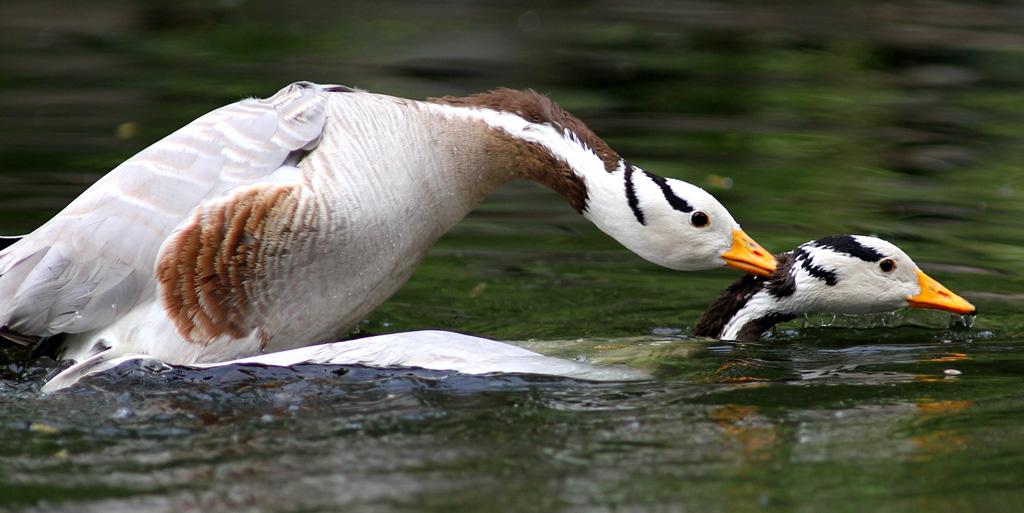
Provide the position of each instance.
(851, 274)
(277, 223)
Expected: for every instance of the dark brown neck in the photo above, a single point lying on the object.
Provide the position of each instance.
(737, 297)
(537, 108)
(532, 161)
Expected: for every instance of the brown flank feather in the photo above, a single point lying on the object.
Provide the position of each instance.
(209, 273)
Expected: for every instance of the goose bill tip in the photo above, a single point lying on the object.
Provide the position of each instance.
(748, 256)
(935, 296)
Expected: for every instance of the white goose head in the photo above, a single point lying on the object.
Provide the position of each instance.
(851, 274)
(675, 224)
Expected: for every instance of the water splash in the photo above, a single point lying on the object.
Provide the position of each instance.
(921, 318)
(962, 321)
(818, 321)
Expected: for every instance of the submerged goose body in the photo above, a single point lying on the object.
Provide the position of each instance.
(276, 223)
(431, 350)
(850, 274)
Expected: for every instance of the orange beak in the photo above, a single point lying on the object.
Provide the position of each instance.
(937, 297)
(748, 256)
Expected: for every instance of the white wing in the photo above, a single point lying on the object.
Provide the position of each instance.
(94, 260)
(440, 350)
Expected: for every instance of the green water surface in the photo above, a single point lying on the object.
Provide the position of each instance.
(899, 119)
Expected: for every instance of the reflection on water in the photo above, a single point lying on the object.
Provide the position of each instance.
(900, 119)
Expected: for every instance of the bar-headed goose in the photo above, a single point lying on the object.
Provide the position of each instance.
(277, 223)
(851, 274)
(843, 273)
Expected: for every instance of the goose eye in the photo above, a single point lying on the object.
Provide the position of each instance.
(699, 219)
(887, 266)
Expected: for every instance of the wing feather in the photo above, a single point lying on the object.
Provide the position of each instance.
(94, 260)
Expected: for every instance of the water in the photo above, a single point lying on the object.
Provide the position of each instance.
(899, 119)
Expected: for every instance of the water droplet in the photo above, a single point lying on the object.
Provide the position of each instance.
(967, 320)
(824, 324)
(123, 412)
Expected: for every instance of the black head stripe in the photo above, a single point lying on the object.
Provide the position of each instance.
(634, 203)
(675, 201)
(803, 258)
(848, 245)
